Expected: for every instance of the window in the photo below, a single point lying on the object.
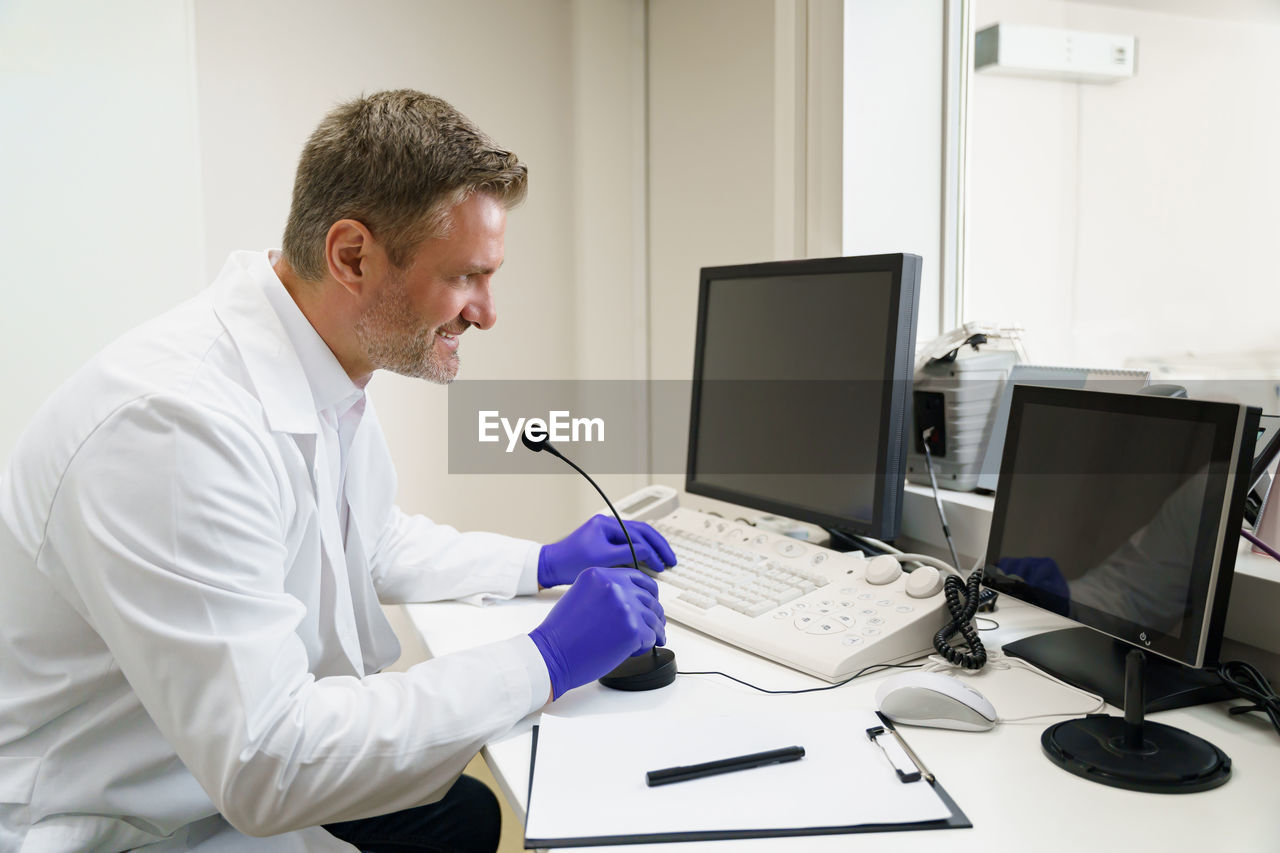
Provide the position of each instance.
(1133, 223)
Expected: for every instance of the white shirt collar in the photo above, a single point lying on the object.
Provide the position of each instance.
(331, 387)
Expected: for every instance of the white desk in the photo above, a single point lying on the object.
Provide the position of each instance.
(1015, 797)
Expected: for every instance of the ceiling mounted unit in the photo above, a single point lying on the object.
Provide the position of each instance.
(1026, 51)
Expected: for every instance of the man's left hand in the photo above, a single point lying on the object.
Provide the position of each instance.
(600, 542)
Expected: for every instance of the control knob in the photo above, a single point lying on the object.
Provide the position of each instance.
(923, 582)
(882, 570)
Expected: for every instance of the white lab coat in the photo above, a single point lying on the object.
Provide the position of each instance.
(187, 656)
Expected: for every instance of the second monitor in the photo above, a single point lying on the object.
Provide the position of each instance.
(1123, 513)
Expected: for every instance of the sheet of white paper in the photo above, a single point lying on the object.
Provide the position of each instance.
(589, 777)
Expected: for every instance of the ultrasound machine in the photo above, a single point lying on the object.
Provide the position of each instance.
(1121, 512)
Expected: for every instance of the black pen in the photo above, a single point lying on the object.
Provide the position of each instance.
(725, 765)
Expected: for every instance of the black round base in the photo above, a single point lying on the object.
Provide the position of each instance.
(646, 672)
(1170, 761)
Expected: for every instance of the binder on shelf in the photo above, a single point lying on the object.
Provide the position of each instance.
(587, 780)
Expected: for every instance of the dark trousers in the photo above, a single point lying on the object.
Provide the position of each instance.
(467, 820)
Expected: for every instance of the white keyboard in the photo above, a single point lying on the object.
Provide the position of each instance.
(820, 611)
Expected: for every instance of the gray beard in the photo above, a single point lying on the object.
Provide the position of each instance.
(386, 333)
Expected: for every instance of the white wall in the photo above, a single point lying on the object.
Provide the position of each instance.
(534, 77)
(1135, 220)
(144, 140)
(609, 306)
(100, 223)
(649, 128)
(893, 140)
(711, 168)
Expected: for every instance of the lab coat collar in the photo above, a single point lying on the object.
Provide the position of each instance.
(242, 305)
(291, 404)
(330, 385)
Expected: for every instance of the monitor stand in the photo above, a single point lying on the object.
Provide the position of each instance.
(1128, 752)
(1095, 662)
(847, 540)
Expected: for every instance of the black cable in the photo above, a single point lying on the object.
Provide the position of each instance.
(962, 604)
(866, 670)
(937, 497)
(1251, 685)
(843, 540)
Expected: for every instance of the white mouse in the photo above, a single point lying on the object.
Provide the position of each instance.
(934, 699)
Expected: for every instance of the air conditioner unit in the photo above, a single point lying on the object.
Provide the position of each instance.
(1056, 54)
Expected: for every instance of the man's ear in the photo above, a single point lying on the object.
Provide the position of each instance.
(350, 250)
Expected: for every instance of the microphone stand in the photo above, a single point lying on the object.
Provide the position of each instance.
(637, 673)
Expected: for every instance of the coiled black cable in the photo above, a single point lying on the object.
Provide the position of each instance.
(1248, 683)
(962, 604)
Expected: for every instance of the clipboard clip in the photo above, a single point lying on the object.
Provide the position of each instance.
(910, 770)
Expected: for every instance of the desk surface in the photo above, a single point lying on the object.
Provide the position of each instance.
(1013, 795)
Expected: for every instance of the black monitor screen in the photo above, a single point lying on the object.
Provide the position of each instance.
(1112, 510)
(802, 375)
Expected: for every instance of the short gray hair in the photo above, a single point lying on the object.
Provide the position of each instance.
(398, 162)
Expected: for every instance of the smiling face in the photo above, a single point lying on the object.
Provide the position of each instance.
(412, 322)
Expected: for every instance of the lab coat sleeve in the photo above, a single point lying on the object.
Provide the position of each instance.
(170, 524)
(419, 560)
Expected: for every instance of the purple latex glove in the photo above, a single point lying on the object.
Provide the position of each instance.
(600, 542)
(607, 616)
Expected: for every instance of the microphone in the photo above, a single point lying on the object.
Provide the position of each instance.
(638, 673)
(537, 445)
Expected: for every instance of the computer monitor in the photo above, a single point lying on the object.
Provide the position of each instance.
(801, 388)
(1122, 512)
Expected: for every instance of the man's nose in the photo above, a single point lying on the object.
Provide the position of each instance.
(480, 310)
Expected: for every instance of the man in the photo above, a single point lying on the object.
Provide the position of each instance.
(198, 528)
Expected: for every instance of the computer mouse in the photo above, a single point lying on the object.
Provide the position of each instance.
(934, 699)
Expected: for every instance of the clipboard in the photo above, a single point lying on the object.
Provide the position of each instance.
(884, 736)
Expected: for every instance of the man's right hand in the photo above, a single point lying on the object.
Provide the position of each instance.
(606, 616)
